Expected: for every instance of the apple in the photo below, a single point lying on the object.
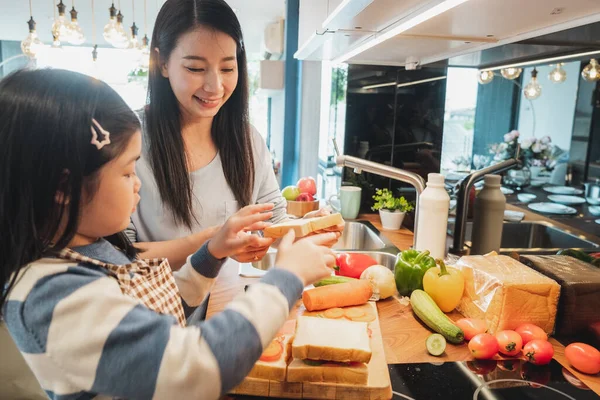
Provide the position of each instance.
(290, 193)
(307, 185)
(305, 197)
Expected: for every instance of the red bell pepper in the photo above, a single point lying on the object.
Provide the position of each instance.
(352, 264)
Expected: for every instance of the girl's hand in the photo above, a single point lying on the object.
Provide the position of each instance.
(232, 238)
(308, 258)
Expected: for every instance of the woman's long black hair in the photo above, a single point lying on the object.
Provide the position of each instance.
(231, 126)
(45, 140)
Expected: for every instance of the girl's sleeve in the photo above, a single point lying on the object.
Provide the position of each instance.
(80, 334)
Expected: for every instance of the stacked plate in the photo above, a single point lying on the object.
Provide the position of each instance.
(552, 208)
(563, 190)
(565, 199)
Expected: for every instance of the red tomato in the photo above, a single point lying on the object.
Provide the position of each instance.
(471, 327)
(483, 346)
(537, 375)
(583, 357)
(531, 332)
(509, 342)
(353, 264)
(482, 367)
(539, 352)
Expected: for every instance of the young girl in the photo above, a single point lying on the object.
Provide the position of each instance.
(89, 317)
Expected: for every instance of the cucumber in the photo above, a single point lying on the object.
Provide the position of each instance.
(580, 255)
(425, 308)
(333, 280)
(436, 344)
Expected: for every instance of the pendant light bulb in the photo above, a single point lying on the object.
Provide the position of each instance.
(121, 40)
(31, 45)
(591, 72)
(76, 35)
(558, 74)
(511, 72)
(533, 90)
(485, 77)
(110, 29)
(60, 27)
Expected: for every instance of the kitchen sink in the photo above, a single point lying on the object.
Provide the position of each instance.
(361, 235)
(535, 237)
(387, 259)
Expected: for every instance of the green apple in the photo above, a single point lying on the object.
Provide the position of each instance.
(290, 193)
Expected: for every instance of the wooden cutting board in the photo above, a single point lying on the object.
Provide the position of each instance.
(378, 386)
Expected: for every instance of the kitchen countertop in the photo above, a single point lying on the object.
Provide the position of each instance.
(403, 336)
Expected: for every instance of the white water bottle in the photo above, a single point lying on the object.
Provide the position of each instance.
(432, 223)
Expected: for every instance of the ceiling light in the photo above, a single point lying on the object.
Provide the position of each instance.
(485, 77)
(511, 72)
(31, 45)
(402, 27)
(60, 27)
(549, 60)
(558, 74)
(379, 85)
(76, 35)
(533, 90)
(591, 72)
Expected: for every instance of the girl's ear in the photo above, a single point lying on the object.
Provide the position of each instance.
(163, 66)
(60, 197)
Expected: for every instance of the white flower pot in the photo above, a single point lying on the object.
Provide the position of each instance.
(391, 220)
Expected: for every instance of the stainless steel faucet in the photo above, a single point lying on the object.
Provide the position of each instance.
(359, 165)
(462, 201)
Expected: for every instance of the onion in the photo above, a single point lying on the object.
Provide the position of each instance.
(381, 279)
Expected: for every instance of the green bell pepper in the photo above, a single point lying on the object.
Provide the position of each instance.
(411, 265)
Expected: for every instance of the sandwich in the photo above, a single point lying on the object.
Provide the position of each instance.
(304, 226)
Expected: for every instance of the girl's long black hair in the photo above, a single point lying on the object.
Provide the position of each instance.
(231, 126)
(45, 141)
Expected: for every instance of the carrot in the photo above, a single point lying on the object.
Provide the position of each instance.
(341, 295)
(352, 313)
(334, 313)
(272, 352)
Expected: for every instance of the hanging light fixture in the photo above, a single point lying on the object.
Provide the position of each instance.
(76, 35)
(145, 47)
(60, 28)
(31, 45)
(114, 33)
(558, 74)
(134, 43)
(95, 50)
(485, 77)
(511, 72)
(533, 90)
(55, 40)
(591, 72)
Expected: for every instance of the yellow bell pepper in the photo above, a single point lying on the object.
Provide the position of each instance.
(445, 285)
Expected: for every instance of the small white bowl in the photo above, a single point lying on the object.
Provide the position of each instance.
(526, 197)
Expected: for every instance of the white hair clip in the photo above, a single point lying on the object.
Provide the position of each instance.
(95, 141)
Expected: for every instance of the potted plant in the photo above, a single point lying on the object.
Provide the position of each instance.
(391, 209)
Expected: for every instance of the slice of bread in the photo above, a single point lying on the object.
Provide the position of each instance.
(307, 371)
(303, 226)
(331, 340)
(274, 370)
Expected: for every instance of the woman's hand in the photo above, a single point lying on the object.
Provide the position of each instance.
(308, 258)
(233, 237)
(253, 253)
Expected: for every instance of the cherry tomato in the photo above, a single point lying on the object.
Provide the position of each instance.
(509, 343)
(483, 346)
(482, 367)
(583, 357)
(537, 375)
(539, 352)
(509, 365)
(531, 332)
(471, 327)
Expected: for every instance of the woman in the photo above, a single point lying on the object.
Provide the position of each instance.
(197, 135)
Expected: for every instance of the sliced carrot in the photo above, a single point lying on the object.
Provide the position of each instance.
(272, 352)
(354, 313)
(341, 295)
(364, 318)
(334, 313)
